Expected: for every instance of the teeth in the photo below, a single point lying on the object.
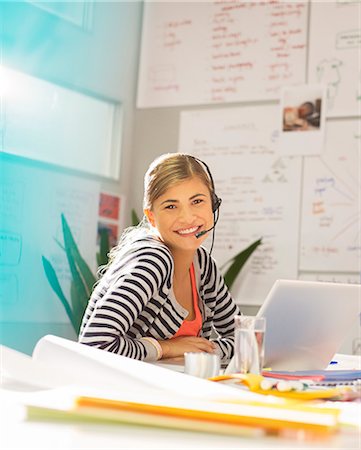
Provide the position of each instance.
(188, 230)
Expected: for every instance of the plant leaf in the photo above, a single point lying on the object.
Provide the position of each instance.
(59, 243)
(83, 277)
(79, 304)
(79, 287)
(135, 218)
(237, 262)
(54, 283)
(102, 255)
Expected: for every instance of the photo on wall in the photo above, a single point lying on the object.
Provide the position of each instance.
(302, 120)
(113, 233)
(110, 222)
(109, 206)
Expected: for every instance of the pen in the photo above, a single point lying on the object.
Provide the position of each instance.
(283, 385)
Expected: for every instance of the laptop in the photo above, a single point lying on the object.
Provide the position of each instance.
(306, 323)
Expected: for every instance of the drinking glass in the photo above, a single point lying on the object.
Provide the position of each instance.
(249, 344)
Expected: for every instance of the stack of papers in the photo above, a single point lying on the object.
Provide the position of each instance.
(169, 411)
(81, 382)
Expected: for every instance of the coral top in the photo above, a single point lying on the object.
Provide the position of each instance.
(192, 327)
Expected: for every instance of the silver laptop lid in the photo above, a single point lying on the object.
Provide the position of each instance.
(307, 322)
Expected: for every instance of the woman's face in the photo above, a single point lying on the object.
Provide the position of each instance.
(182, 211)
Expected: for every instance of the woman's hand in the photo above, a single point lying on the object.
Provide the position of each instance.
(179, 345)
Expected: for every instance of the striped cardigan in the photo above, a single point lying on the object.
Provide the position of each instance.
(135, 300)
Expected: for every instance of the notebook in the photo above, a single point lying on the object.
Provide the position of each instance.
(318, 377)
(307, 322)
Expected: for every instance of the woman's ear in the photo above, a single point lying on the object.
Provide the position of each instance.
(150, 216)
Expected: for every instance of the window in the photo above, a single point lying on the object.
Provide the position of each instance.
(46, 122)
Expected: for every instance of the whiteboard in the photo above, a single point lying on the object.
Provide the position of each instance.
(260, 191)
(211, 52)
(31, 201)
(331, 216)
(307, 209)
(335, 54)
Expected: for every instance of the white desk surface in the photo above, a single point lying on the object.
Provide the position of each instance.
(18, 433)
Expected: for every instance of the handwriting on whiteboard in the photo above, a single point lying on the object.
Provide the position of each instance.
(211, 52)
(330, 232)
(334, 54)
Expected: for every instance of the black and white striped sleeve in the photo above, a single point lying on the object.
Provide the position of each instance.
(113, 309)
(223, 319)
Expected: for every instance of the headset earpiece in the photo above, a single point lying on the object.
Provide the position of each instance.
(216, 202)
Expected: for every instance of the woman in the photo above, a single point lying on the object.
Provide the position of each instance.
(162, 294)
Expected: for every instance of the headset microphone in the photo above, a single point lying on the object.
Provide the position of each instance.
(203, 232)
(215, 212)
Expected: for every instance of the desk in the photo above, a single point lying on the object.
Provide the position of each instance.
(18, 433)
(339, 362)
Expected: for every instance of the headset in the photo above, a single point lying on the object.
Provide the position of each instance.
(216, 203)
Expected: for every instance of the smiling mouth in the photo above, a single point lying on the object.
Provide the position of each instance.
(188, 231)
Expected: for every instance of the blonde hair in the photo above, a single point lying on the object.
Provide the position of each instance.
(168, 170)
(163, 173)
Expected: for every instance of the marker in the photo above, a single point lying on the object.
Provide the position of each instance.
(267, 384)
(284, 386)
(294, 385)
(298, 385)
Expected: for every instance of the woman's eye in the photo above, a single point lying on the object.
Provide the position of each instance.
(170, 207)
(197, 201)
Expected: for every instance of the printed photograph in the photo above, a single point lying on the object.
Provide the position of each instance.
(302, 110)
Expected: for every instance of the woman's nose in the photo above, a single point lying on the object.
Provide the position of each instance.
(186, 214)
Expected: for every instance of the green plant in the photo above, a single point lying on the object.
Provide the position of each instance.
(83, 279)
(236, 263)
(104, 247)
(135, 218)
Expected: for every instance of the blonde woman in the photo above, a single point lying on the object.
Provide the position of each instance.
(161, 294)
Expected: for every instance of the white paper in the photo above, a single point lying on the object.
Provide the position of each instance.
(98, 368)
